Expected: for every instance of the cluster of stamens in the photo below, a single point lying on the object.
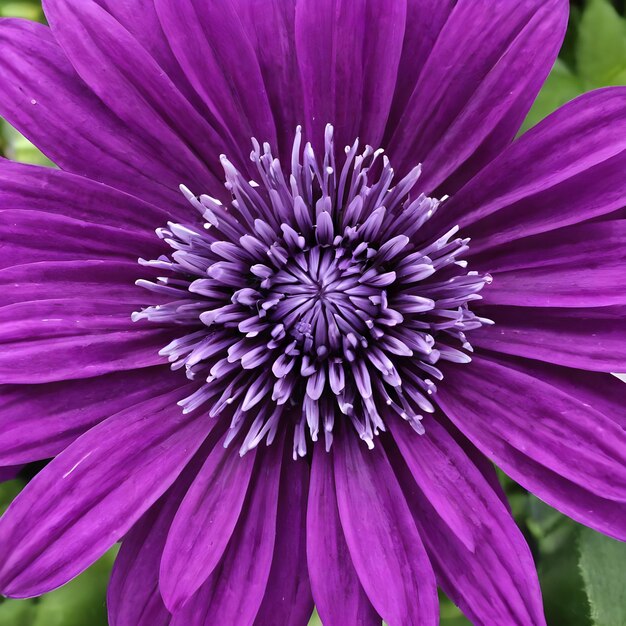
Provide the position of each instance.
(311, 301)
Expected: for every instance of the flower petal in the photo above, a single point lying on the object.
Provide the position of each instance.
(204, 523)
(591, 339)
(554, 444)
(338, 594)
(424, 21)
(53, 340)
(603, 392)
(438, 468)
(89, 496)
(577, 266)
(29, 236)
(381, 535)
(287, 599)
(492, 578)
(139, 17)
(480, 80)
(271, 24)
(234, 592)
(129, 81)
(43, 97)
(30, 187)
(48, 280)
(39, 421)
(532, 188)
(215, 52)
(134, 597)
(348, 76)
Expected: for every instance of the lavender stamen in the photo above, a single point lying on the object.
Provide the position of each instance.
(311, 299)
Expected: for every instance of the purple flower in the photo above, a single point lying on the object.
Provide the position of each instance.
(392, 321)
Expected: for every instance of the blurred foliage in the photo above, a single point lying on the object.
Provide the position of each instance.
(553, 541)
(17, 148)
(28, 9)
(582, 573)
(594, 55)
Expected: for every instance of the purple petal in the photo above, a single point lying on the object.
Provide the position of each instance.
(484, 465)
(338, 594)
(479, 82)
(213, 49)
(438, 469)
(382, 538)
(38, 422)
(554, 444)
(532, 188)
(287, 599)
(54, 340)
(271, 24)
(91, 495)
(234, 592)
(121, 72)
(603, 392)
(483, 562)
(348, 76)
(29, 187)
(139, 17)
(424, 21)
(48, 280)
(591, 339)
(29, 236)
(577, 266)
(134, 597)
(204, 523)
(44, 99)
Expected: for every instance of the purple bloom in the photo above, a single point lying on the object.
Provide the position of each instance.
(294, 396)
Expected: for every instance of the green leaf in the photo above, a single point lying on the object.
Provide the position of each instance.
(563, 591)
(568, 50)
(561, 87)
(619, 78)
(8, 492)
(555, 536)
(603, 567)
(27, 9)
(17, 613)
(449, 613)
(315, 620)
(17, 148)
(601, 50)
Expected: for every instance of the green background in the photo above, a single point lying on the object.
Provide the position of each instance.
(582, 573)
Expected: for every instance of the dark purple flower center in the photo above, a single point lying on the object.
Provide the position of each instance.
(311, 299)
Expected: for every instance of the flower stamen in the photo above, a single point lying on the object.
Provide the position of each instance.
(310, 298)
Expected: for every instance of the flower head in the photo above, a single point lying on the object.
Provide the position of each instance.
(319, 275)
(393, 318)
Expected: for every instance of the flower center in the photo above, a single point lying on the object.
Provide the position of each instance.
(321, 300)
(311, 302)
